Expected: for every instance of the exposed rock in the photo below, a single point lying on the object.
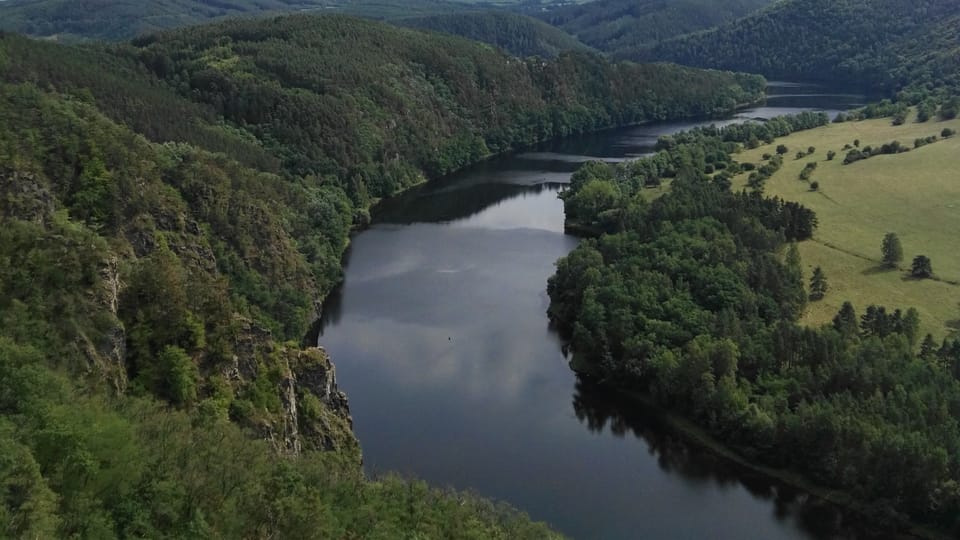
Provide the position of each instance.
(108, 356)
(314, 413)
(26, 197)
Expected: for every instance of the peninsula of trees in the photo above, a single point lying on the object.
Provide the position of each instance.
(693, 301)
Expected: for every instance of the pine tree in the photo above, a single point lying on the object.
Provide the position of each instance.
(818, 284)
(928, 348)
(892, 250)
(921, 267)
(846, 321)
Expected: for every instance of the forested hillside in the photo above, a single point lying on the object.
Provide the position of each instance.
(875, 44)
(73, 21)
(378, 107)
(692, 300)
(139, 395)
(68, 20)
(517, 34)
(172, 213)
(627, 28)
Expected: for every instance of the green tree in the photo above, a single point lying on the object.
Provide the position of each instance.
(928, 347)
(179, 376)
(910, 326)
(818, 284)
(891, 250)
(921, 267)
(782, 149)
(846, 321)
(830, 155)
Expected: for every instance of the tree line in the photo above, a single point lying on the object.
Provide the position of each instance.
(694, 298)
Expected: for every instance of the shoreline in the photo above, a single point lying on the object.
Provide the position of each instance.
(696, 435)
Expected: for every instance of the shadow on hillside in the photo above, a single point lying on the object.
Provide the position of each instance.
(879, 269)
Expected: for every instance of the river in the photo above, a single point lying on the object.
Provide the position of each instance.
(441, 340)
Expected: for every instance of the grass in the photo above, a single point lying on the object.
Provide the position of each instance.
(914, 194)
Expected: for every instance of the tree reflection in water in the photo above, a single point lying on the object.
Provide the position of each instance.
(601, 409)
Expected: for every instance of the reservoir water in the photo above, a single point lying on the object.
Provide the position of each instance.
(441, 340)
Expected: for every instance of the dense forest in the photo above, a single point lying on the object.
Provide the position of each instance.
(172, 212)
(517, 34)
(378, 106)
(874, 44)
(627, 28)
(69, 21)
(66, 20)
(693, 300)
(139, 396)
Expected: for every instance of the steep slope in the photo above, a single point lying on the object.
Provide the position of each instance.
(139, 394)
(879, 44)
(517, 34)
(625, 28)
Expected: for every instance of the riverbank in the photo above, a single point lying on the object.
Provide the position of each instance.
(700, 437)
(710, 332)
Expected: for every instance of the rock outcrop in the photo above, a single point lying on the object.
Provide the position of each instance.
(313, 413)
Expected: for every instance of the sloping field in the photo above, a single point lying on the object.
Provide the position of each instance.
(915, 194)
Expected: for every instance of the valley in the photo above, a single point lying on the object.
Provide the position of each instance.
(464, 269)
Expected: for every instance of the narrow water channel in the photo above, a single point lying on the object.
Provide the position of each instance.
(441, 341)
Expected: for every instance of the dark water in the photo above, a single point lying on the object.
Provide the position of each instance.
(441, 341)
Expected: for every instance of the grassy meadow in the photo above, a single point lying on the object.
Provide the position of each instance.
(915, 194)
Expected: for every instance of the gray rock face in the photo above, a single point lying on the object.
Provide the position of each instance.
(314, 413)
(25, 196)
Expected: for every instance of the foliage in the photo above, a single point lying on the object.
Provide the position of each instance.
(68, 21)
(685, 299)
(173, 210)
(517, 34)
(626, 28)
(382, 107)
(74, 465)
(874, 44)
(818, 284)
(921, 267)
(890, 250)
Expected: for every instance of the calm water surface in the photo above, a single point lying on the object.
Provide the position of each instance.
(441, 340)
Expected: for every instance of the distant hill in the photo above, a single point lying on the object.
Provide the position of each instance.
(518, 34)
(71, 20)
(81, 20)
(623, 28)
(879, 44)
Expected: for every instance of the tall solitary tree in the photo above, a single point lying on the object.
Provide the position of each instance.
(921, 267)
(891, 250)
(818, 284)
